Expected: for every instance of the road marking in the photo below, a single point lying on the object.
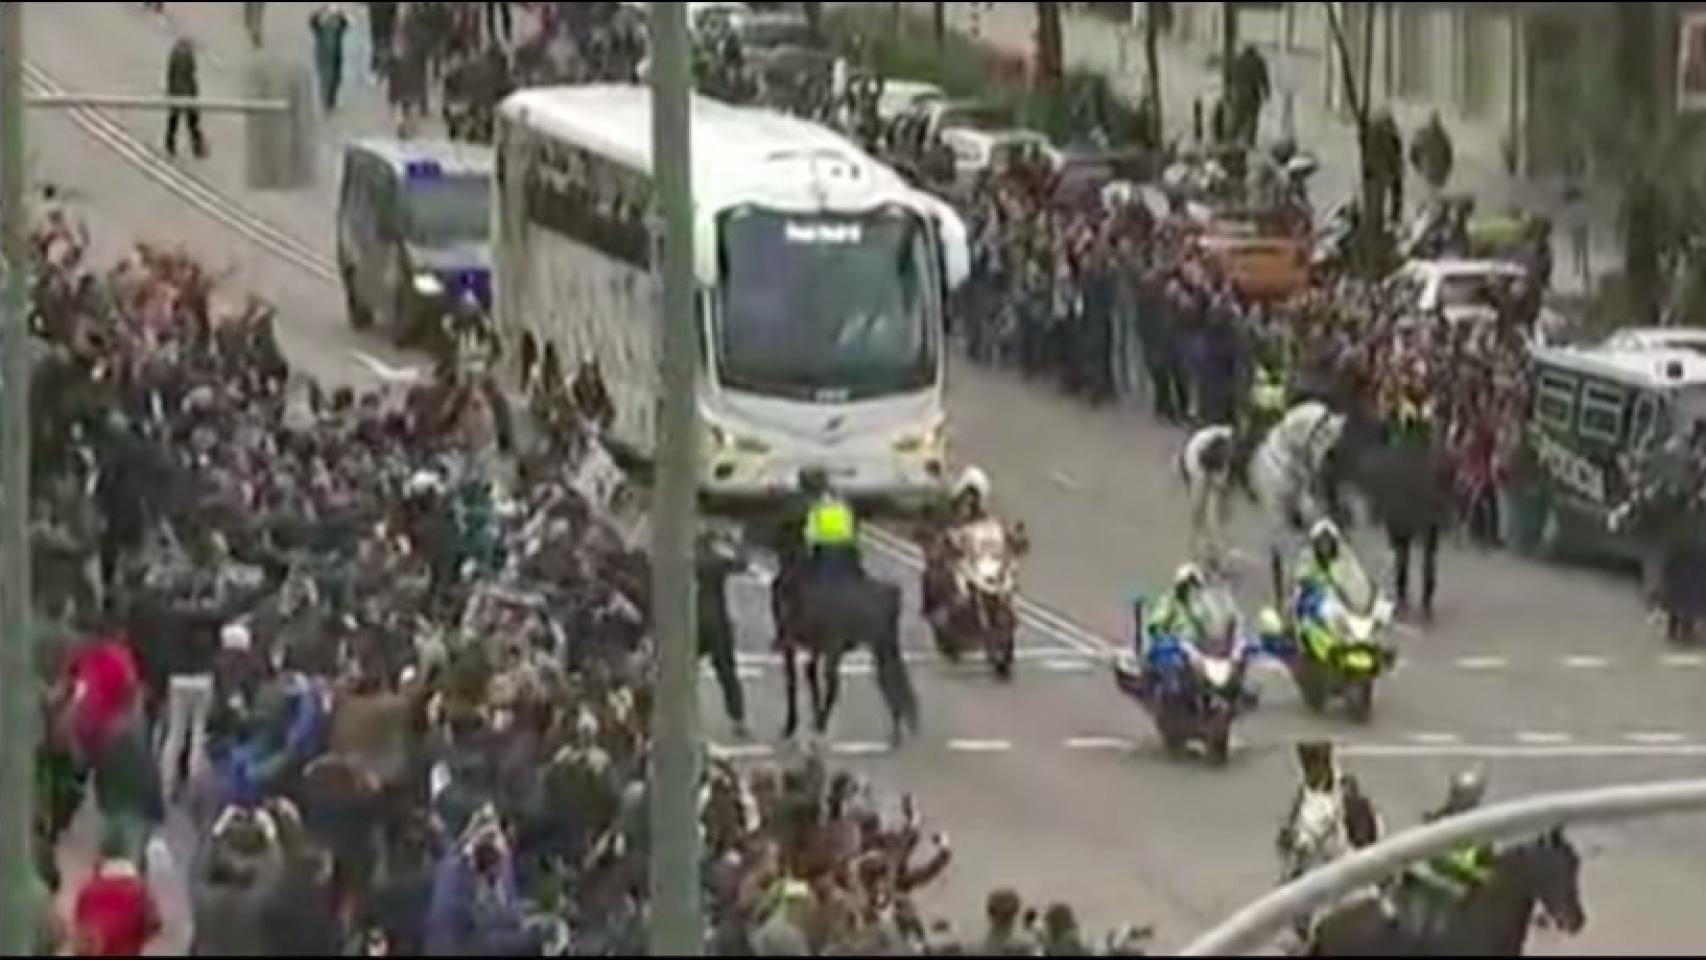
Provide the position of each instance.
(1434, 739)
(746, 672)
(1574, 751)
(1065, 481)
(1067, 666)
(1657, 738)
(1586, 663)
(1099, 743)
(862, 658)
(1687, 661)
(385, 371)
(980, 746)
(1482, 663)
(1536, 739)
(856, 748)
(742, 751)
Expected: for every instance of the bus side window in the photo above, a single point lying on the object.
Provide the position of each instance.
(387, 207)
(1555, 401)
(1602, 414)
(1643, 422)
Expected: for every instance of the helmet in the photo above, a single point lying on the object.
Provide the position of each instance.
(1324, 531)
(1468, 788)
(814, 481)
(1187, 578)
(1269, 624)
(972, 480)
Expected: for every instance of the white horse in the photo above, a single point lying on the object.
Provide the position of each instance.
(1285, 475)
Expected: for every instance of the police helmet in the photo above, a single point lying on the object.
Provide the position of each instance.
(1468, 788)
(972, 480)
(1325, 532)
(1186, 579)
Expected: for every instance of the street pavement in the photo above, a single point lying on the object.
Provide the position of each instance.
(1547, 677)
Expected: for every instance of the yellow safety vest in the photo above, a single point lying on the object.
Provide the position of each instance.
(830, 524)
(1467, 864)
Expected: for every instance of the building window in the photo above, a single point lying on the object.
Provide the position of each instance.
(1486, 66)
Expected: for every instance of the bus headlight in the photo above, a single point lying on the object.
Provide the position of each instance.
(428, 285)
(722, 440)
(923, 443)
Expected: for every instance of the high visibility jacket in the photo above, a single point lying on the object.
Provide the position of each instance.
(831, 523)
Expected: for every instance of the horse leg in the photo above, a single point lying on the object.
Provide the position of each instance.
(826, 668)
(791, 683)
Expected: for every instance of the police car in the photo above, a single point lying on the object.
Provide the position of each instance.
(414, 232)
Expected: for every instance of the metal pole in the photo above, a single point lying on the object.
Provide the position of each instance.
(1248, 929)
(18, 705)
(677, 927)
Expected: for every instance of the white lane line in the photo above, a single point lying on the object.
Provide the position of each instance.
(1482, 663)
(1434, 739)
(742, 751)
(1066, 666)
(385, 371)
(980, 746)
(1537, 739)
(1039, 655)
(1065, 481)
(1586, 663)
(1657, 738)
(859, 749)
(1574, 751)
(1686, 661)
(1098, 743)
(744, 672)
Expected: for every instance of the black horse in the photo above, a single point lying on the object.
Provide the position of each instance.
(1493, 921)
(828, 617)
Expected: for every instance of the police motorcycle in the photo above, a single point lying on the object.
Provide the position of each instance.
(1333, 641)
(977, 560)
(986, 583)
(1193, 689)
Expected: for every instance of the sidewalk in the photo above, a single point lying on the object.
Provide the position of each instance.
(1298, 107)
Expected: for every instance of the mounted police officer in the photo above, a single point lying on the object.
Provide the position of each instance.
(1444, 883)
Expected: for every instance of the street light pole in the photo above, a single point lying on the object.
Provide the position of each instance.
(18, 705)
(677, 927)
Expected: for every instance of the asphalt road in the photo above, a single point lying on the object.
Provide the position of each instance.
(1547, 677)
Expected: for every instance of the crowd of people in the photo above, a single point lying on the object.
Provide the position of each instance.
(387, 655)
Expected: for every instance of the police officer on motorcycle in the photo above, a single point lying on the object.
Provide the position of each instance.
(1317, 564)
(1176, 615)
(968, 504)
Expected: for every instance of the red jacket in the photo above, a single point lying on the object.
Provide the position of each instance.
(105, 685)
(114, 915)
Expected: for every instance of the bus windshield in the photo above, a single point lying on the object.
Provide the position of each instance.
(827, 307)
(449, 212)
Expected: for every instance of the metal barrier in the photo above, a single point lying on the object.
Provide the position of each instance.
(1251, 927)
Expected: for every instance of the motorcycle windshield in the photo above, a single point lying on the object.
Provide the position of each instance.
(1355, 589)
(1218, 611)
(986, 539)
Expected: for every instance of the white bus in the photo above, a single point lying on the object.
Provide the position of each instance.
(821, 276)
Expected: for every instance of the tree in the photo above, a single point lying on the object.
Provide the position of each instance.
(939, 22)
(1371, 219)
(1051, 54)
(1157, 18)
(814, 17)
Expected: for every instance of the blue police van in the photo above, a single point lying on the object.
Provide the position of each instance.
(414, 232)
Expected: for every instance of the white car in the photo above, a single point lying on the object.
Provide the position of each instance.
(977, 151)
(1457, 291)
(901, 97)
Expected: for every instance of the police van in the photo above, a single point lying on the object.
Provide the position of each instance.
(414, 232)
(1591, 412)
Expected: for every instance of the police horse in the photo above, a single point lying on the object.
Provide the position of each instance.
(1287, 478)
(1493, 920)
(827, 617)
